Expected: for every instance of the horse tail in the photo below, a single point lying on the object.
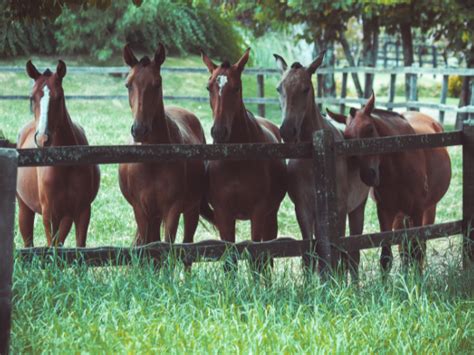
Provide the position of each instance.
(206, 211)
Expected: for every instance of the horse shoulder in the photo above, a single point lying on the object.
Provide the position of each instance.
(25, 132)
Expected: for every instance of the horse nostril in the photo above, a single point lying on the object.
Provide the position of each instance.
(138, 130)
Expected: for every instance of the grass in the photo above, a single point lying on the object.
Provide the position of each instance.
(140, 309)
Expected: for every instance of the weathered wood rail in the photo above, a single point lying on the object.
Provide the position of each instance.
(411, 75)
(322, 151)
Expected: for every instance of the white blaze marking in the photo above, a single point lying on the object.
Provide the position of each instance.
(44, 107)
(221, 81)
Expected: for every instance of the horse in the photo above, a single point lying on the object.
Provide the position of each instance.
(61, 194)
(242, 189)
(160, 191)
(406, 185)
(300, 119)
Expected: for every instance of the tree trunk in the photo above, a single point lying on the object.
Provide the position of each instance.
(370, 44)
(466, 93)
(408, 59)
(351, 61)
(328, 82)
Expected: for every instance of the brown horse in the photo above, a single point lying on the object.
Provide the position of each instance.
(246, 190)
(301, 118)
(160, 191)
(405, 184)
(62, 194)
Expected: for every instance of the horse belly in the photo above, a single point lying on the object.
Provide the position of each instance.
(153, 188)
(27, 188)
(238, 189)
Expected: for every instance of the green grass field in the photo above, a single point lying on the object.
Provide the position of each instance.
(139, 309)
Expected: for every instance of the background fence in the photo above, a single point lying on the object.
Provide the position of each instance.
(411, 75)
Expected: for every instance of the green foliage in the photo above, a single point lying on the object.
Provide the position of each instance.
(454, 86)
(102, 32)
(24, 36)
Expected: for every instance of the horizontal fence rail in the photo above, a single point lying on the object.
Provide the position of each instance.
(411, 98)
(255, 151)
(211, 250)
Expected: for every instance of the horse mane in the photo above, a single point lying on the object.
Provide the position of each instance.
(47, 72)
(145, 61)
(385, 114)
(296, 65)
(225, 64)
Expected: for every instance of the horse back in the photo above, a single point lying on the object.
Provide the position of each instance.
(271, 131)
(187, 124)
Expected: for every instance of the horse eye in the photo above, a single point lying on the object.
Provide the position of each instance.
(127, 85)
(208, 88)
(279, 89)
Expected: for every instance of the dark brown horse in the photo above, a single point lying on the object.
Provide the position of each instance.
(62, 194)
(301, 118)
(246, 190)
(405, 184)
(162, 191)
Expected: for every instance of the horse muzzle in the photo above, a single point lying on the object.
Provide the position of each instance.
(370, 177)
(42, 140)
(288, 132)
(139, 132)
(220, 134)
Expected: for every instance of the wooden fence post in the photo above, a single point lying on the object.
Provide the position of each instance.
(444, 95)
(320, 90)
(8, 171)
(468, 191)
(261, 93)
(342, 107)
(392, 90)
(324, 169)
(412, 91)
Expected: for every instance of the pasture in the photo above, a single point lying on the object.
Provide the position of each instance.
(137, 308)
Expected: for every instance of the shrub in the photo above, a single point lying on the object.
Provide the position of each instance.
(24, 37)
(182, 28)
(454, 86)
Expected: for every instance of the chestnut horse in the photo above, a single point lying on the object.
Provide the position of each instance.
(162, 191)
(405, 184)
(301, 118)
(250, 189)
(61, 194)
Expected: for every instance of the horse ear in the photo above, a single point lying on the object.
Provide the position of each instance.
(31, 70)
(316, 63)
(160, 54)
(369, 106)
(336, 116)
(281, 64)
(209, 63)
(243, 60)
(128, 56)
(61, 69)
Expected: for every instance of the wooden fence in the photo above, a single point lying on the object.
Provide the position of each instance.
(323, 151)
(411, 75)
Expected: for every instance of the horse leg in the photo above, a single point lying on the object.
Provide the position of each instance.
(356, 227)
(305, 219)
(148, 228)
(225, 223)
(81, 222)
(171, 224)
(26, 223)
(386, 222)
(418, 247)
(51, 228)
(64, 229)
(264, 227)
(191, 220)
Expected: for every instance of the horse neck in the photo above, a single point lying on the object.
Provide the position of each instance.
(64, 132)
(245, 129)
(312, 122)
(161, 127)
